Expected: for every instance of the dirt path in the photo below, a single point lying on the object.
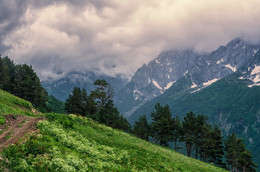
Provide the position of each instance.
(17, 128)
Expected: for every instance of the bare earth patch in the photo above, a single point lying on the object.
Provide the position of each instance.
(15, 128)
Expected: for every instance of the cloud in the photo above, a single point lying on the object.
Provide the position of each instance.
(118, 36)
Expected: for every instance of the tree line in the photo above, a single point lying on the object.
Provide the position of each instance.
(22, 81)
(199, 139)
(98, 105)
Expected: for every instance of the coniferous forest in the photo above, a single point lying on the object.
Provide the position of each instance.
(196, 137)
(192, 135)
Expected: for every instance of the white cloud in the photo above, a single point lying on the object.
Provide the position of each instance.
(119, 36)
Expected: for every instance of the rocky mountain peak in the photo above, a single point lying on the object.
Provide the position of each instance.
(202, 70)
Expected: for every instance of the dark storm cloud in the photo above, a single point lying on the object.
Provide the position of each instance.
(118, 36)
(10, 14)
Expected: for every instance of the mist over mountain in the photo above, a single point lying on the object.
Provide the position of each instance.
(224, 85)
(62, 87)
(156, 77)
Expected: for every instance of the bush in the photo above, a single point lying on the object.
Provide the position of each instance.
(2, 120)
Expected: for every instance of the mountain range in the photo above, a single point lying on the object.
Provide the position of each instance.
(223, 84)
(159, 75)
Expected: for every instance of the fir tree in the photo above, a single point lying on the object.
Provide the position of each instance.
(245, 162)
(176, 131)
(27, 86)
(103, 92)
(162, 124)
(74, 103)
(109, 115)
(189, 129)
(200, 123)
(217, 151)
(234, 146)
(142, 128)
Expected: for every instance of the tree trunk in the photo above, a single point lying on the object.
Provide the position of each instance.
(205, 157)
(175, 146)
(188, 148)
(236, 165)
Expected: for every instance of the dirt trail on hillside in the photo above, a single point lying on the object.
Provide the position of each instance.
(15, 128)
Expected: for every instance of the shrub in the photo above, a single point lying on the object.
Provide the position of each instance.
(2, 120)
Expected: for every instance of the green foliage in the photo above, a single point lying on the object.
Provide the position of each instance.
(237, 155)
(109, 115)
(22, 81)
(177, 131)
(228, 103)
(162, 124)
(142, 128)
(189, 135)
(89, 146)
(79, 103)
(10, 104)
(102, 111)
(55, 105)
(245, 161)
(2, 120)
(103, 92)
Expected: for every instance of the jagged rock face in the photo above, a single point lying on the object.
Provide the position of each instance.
(155, 78)
(161, 73)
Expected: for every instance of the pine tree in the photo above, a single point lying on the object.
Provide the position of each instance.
(142, 128)
(103, 92)
(234, 146)
(74, 103)
(91, 108)
(6, 74)
(199, 132)
(245, 162)
(27, 86)
(109, 115)
(217, 151)
(123, 124)
(162, 124)
(189, 129)
(177, 131)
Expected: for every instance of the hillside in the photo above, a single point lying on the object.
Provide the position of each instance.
(74, 143)
(228, 103)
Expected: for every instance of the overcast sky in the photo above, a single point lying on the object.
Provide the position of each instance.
(118, 36)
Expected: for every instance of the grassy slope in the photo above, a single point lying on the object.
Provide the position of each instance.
(10, 104)
(73, 143)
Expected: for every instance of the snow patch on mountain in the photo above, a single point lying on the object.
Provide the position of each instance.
(196, 90)
(255, 51)
(256, 70)
(168, 85)
(219, 61)
(137, 94)
(194, 85)
(157, 61)
(186, 72)
(210, 82)
(157, 85)
(136, 91)
(231, 67)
